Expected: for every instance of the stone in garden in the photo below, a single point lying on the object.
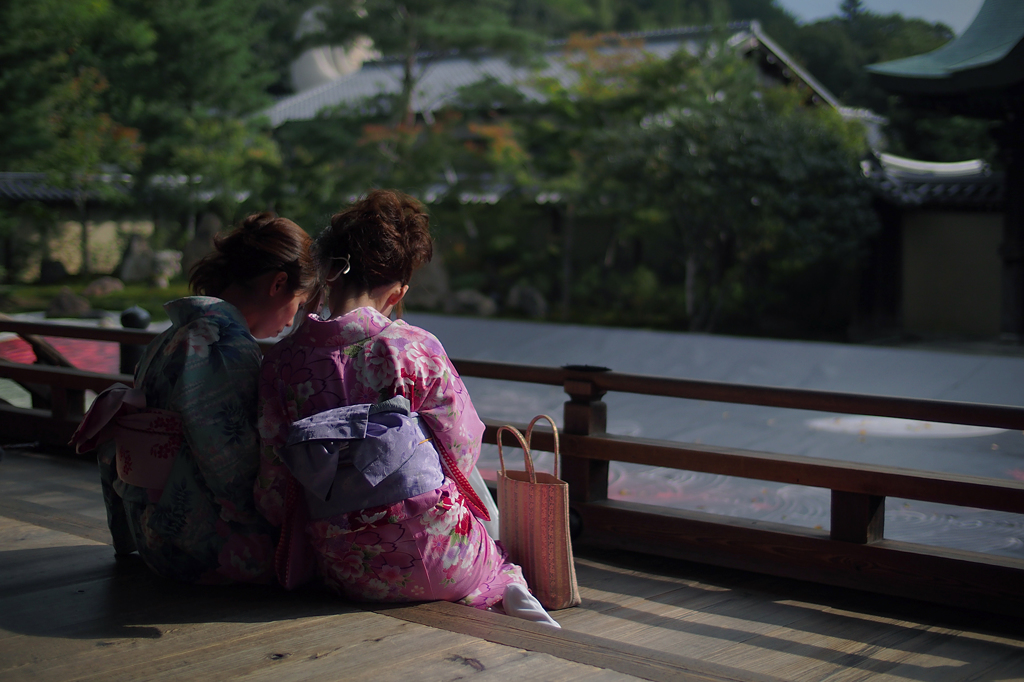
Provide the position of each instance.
(104, 286)
(52, 272)
(428, 286)
(166, 264)
(68, 304)
(526, 299)
(137, 261)
(470, 302)
(202, 244)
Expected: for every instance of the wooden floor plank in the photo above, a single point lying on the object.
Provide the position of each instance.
(70, 522)
(422, 652)
(15, 534)
(69, 610)
(225, 651)
(949, 656)
(802, 655)
(575, 646)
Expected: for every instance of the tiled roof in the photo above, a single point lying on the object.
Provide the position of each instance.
(33, 187)
(446, 73)
(907, 182)
(989, 54)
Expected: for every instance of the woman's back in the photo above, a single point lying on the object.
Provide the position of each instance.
(428, 546)
(177, 480)
(203, 525)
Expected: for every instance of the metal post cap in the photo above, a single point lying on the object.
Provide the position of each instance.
(135, 318)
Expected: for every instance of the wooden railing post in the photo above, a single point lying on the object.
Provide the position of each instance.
(133, 318)
(584, 414)
(857, 517)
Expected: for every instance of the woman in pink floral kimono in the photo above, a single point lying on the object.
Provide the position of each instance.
(400, 523)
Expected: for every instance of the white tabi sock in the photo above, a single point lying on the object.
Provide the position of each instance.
(520, 603)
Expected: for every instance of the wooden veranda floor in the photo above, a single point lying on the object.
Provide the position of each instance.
(68, 610)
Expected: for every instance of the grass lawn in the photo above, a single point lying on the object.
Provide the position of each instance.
(19, 298)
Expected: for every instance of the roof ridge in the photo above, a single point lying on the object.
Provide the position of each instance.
(745, 24)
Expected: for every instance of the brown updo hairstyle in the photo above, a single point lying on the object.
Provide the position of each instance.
(262, 243)
(385, 235)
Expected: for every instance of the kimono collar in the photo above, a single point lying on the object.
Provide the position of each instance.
(184, 310)
(352, 327)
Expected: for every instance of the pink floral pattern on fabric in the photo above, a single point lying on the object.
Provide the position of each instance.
(429, 547)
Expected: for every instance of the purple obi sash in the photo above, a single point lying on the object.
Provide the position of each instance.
(362, 456)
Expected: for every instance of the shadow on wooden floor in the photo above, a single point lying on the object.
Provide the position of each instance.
(82, 592)
(70, 610)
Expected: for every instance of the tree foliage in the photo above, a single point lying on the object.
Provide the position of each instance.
(415, 30)
(722, 188)
(677, 192)
(680, 193)
(835, 50)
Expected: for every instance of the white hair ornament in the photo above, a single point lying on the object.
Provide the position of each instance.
(344, 270)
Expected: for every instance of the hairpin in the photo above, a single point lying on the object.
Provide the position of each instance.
(344, 270)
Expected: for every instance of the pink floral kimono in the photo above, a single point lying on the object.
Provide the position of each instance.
(428, 547)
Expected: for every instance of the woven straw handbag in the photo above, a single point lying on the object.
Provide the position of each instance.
(534, 513)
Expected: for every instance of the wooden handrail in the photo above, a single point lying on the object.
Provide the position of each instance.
(868, 479)
(853, 552)
(62, 376)
(947, 411)
(138, 337)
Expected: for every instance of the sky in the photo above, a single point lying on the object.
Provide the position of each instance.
(957, 14)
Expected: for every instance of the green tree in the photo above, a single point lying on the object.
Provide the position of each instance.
(282, 43)
(415, 30)
(52, 50)
(737, 186)
(836, 51)
(225, 161)
(55, 109)
(201, 63)
(550, 18)
(851, 9)
(89, 153)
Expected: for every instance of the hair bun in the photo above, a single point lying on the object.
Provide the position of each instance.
(386, 236)
(262, 243)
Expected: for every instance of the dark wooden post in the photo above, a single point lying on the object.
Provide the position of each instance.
(133, 318)
(1011, 138)
(584, 413)
(857, 518)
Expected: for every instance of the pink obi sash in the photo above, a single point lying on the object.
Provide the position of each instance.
(147, 443)
(98, 423)
(147, 440)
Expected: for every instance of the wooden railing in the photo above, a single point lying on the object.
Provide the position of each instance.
(852, 553)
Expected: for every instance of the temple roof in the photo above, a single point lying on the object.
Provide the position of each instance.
(18, 187)
(909, 182)
(987, 59)
(448, 72)
(33, 187)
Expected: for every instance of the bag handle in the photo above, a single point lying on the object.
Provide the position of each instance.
(554, 432)
(526, 451)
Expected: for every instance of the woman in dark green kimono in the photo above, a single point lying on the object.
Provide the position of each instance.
(197, 522)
